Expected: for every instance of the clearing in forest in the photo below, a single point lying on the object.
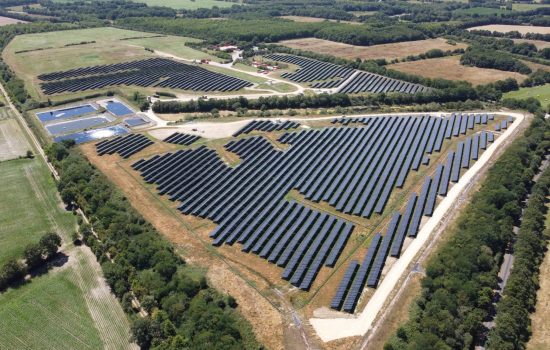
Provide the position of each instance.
(451, 69)
(505, 28)
(387, 51)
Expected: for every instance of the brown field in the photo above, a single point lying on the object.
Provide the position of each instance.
(505, 28)
(450, 68)
(536, 66)
(538, 43)
(305, 19)
(387, 51)
(4, 21)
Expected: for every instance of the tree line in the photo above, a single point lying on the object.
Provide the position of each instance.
(512, 322)
(457, 291)
(485, 58)
(183, 311)
(34, 256)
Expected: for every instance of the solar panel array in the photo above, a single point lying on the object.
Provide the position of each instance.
(266, 125)
(354, 169)
(125, 146)
(353, 282)
(312, 70)
(158, 72)
(179, 138)
(370, 82)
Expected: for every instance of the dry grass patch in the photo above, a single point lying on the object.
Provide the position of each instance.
(387, 51)
(451, 69)
(4, 21)
(505, 28)
(538, 43)
(540, 322)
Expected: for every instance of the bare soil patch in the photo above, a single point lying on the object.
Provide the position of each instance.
(387, 51)
(450, 68)
(505, 28)
(4, 21)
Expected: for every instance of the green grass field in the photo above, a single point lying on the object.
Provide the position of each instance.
(69, 307)
(27, 197)
(47, 313)
(482, 11)
(528, 7)
(541, 93)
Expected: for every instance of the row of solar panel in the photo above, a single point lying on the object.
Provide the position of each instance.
(364, 166)
(327, 84)
(355, 277)
(158, 72)
(125, 146)
(107, 68)
(288, 234)
(312, 70)
(244, 200)
(266, 125)
(179, 138)
(369, 82)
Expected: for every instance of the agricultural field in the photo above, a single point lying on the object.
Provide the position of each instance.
(183, 4)
(387, 51)
(13, 143)
(538, 43)
(540, 323)
(505, 28)
(189, 4)
(528, 7)
(4, 21)
(481, 11)
(70, 302)
(450, 68)
(541, 93)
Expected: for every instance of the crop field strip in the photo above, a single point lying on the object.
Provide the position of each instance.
(267, 126)
(311, 71)
(353, 168)
(408, 223)
(179, 138)
(125, 146)
(157, 72)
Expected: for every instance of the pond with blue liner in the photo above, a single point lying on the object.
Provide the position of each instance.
(118, 108)
(74, 125)
(65, 113)
(135, 121)
(92, 135)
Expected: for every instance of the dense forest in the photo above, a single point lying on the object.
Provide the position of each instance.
(457, 292)
(485, 58)
(183, 311)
